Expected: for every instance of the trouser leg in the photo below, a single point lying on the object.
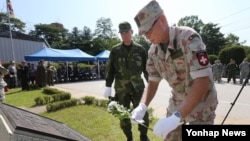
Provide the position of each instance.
(125, 124)
(126, 127)
(142, 129)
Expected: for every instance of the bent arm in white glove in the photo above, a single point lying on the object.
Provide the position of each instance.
(107, 92)
(166, 125)
(139, 112)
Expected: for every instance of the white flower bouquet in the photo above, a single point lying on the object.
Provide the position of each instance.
(122, 112)
(118, 110)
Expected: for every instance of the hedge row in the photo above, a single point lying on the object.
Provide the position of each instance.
(52, 95)
(51, 107)
(42, 100)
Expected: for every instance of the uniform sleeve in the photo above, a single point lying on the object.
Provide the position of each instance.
(198, 59)
(110, 70)
(153, 74)
(144, 61)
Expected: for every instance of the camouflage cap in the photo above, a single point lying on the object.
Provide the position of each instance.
(147, 16)
(124, 26)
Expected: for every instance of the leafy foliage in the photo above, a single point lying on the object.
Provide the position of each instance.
(93, 122)
(191, 21)
(212, 38)
(88, 100)
(17, 25)
(105, 37)
(142, 41)
(236, 53)
(50, 91)
(212, 58)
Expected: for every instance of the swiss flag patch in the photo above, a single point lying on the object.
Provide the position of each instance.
(202, 58)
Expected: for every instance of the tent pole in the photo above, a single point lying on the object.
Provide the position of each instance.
(98, 66)
(67, 71)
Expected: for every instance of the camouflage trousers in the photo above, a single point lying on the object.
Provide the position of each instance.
(126, 99)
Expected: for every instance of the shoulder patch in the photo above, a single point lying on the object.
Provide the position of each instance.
(202, 58)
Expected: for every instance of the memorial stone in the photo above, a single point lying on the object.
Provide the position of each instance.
(20, 125)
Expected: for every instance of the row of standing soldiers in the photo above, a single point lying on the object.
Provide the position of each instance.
(230, 70)
(25, 74)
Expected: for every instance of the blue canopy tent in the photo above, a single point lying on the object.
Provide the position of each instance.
(102, 56)
(50, 54)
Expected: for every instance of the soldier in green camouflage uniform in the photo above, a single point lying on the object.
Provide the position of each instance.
(126, 63)
(178, 55)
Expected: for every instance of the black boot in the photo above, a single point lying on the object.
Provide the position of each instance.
(129, 139)
(129, 136)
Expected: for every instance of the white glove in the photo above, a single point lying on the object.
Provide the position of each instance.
(166, 125)
(107, 92)
(138, 113)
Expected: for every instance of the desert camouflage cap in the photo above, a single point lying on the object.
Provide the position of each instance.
(124, 26)
(147, 16)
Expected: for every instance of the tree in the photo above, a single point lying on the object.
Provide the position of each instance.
(143, 41)
(236, 53)
(16, 24)
(74, 38)
(104, 37)
(54, 33)
(86, 34)
(104, 28)
(100, 45)
(232, 40)
(212, 58)
(247, 49)
(210, 33)
(81, 39)
(86, 40)
(191, 21)
(213, 38)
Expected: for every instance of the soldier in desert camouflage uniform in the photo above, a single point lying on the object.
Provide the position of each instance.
(126, 63)
(178, 55)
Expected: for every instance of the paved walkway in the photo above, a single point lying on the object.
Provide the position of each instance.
(36, 110)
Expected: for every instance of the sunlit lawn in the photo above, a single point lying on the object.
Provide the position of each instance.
(93, 122)
(17, 97)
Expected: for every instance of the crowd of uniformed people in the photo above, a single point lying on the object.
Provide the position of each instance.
(46, 73)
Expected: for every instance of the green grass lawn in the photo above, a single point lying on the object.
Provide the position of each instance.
(17, 97)
(92, 121)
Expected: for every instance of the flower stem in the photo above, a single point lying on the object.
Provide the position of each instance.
(142, 124)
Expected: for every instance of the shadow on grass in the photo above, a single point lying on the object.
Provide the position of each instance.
(14, 92)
